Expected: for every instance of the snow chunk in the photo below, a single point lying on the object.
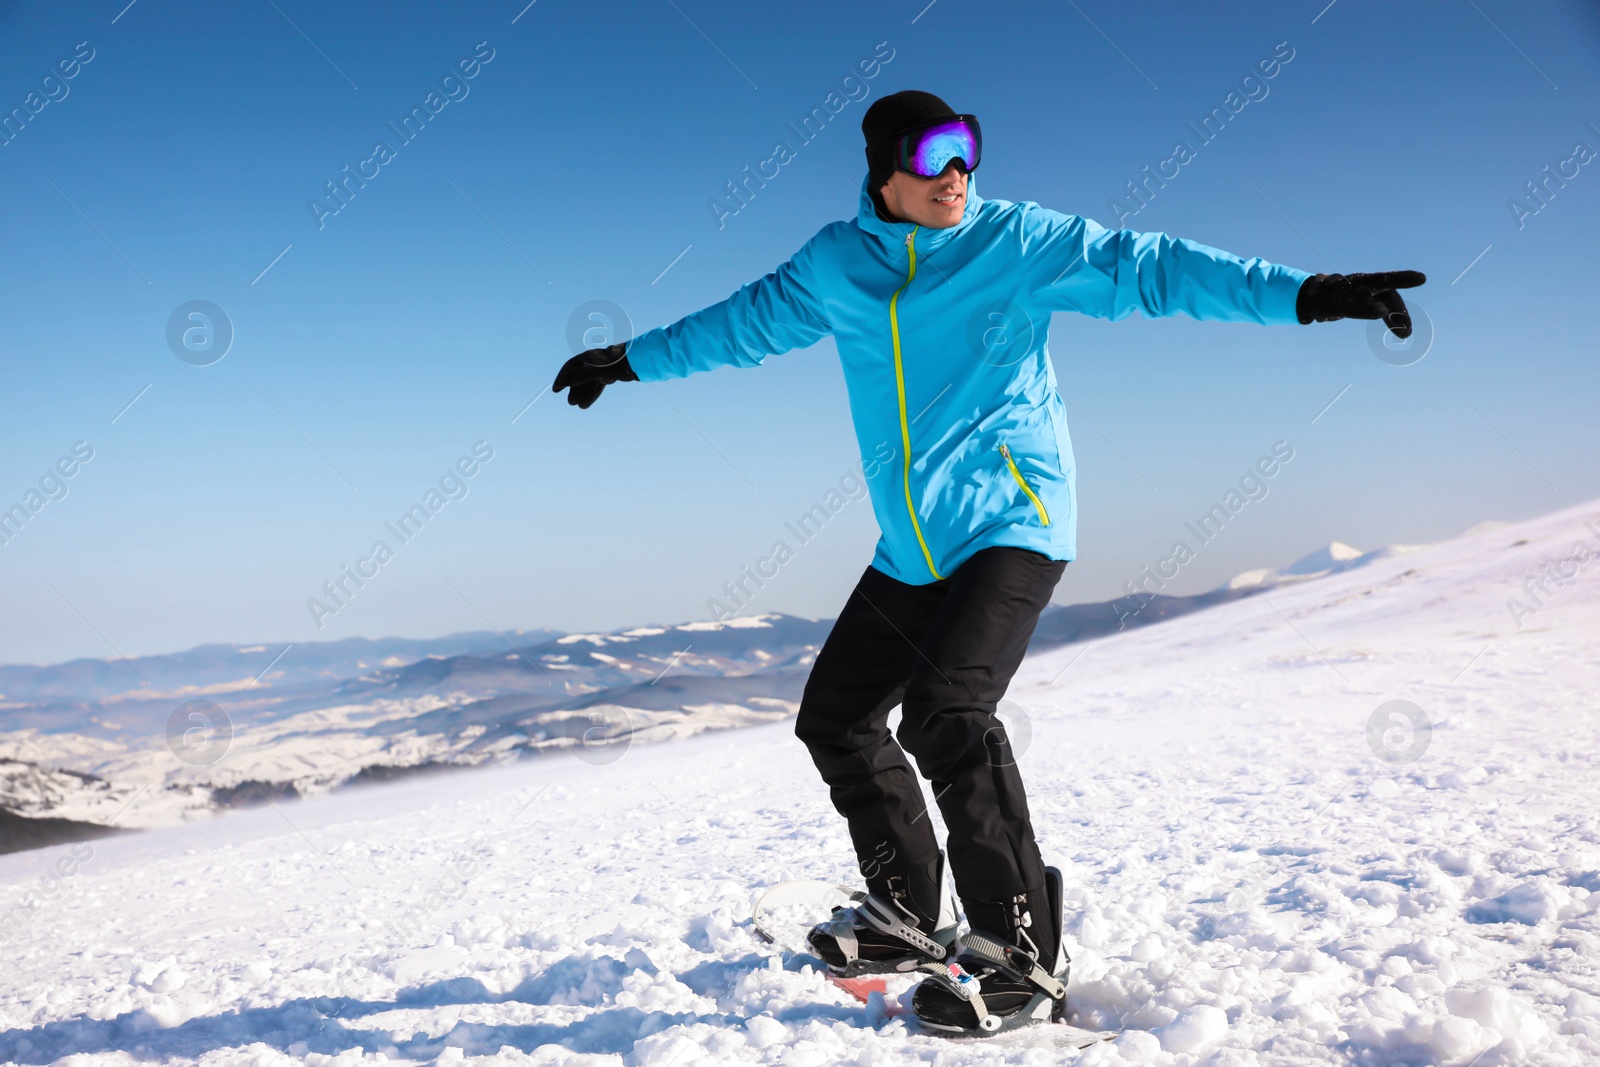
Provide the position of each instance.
(1450, 1038)
(765, 1031)
(1493, 1007)
(161, 977)
(1528, 903)
(1195, 1029)
(1462, 779)
(668, 1051)
(1137, 1046)
(1148, 948)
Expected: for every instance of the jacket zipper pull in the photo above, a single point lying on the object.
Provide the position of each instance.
(1006, 452)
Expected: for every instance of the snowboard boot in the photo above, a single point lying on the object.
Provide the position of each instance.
(907, 922)
(1011, 972)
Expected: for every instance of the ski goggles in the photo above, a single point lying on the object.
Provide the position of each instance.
(927, 150)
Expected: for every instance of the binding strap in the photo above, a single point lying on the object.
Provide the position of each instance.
(1014, 960)
(884, 916)
(841, 927)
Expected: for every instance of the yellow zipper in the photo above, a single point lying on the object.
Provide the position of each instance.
(1044, 516)
(900, 387)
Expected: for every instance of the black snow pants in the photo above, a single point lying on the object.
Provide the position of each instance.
(945, 653)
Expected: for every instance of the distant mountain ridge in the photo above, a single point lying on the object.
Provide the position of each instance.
(219, 664)
(466, 700)
(86, 741)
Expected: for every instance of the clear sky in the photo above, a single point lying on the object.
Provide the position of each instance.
(374, 347)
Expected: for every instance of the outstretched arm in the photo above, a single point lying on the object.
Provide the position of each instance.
(1074, 264)
(766, 317)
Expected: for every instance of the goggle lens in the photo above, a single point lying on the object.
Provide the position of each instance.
(927, 150)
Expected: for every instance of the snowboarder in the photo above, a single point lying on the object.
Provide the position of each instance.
(939, 302)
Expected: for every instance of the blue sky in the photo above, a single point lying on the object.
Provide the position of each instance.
(373, 351)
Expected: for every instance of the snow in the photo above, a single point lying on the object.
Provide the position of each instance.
(738, 622)
(1196, 1029)
(1255, 874)
(1324, 559)
(1331, 558)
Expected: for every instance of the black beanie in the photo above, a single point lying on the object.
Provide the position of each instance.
(887, 116)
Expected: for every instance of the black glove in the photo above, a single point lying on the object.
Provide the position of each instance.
(587, 373)
(1326, 297)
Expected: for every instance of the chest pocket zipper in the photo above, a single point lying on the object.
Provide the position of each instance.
(1044, 516)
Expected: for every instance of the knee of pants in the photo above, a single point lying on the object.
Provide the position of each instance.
(812, 724)
(953, 740)
(810, 727)
(931, 689)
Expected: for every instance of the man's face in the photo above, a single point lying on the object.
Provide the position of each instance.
(936, 203)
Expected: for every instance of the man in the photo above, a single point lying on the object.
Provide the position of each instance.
(940, 303)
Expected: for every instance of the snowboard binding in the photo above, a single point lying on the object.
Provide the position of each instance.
(996, 984)
(882, 935)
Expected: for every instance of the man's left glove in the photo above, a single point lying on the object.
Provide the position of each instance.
(587, 373)
(1326, 297)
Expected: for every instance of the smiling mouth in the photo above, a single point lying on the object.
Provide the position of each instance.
(948, 199)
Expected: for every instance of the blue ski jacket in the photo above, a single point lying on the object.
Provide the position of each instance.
(942, 337)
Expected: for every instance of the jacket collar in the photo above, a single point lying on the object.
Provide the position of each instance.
(895, 232)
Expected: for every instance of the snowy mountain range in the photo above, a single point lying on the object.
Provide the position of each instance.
(112, 744)
(195, 734)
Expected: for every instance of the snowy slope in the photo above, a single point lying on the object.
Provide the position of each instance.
(1248, 881)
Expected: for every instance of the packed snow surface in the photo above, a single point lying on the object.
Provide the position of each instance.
(1267, 860)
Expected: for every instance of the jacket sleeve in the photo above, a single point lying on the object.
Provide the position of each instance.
(766, 317)
(1074, 264)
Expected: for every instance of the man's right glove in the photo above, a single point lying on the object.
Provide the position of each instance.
(587, 373)
(1326, 297)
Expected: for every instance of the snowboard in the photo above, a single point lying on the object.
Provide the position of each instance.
(783, 913)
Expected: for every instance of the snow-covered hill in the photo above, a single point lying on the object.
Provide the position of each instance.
(1267, 862)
